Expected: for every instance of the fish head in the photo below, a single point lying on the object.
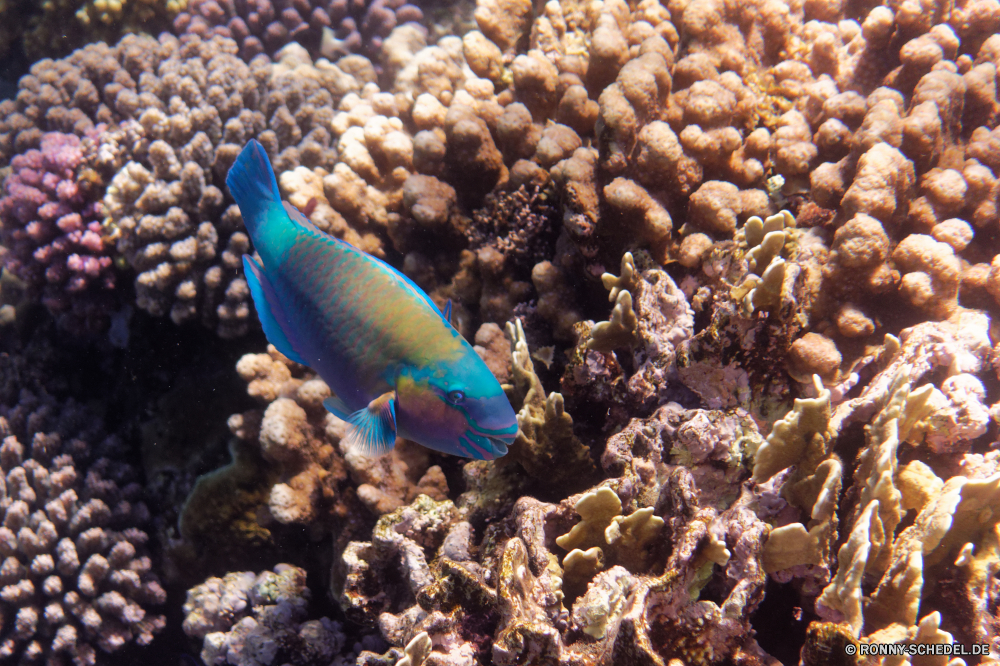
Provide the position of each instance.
(456, 407)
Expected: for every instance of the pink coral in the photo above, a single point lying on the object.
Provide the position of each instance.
(51, 220)
(263, 26)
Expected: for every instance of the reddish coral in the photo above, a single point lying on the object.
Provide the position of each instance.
(51, 222)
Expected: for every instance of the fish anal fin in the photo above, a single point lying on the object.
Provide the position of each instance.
(336, 406)
(373, 428)
(267, 304)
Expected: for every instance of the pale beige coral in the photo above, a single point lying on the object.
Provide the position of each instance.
(884, 181)
(852, 322)
(932, 274)
(494, 348)
(717, 206)
(814, 353)
(693, 249)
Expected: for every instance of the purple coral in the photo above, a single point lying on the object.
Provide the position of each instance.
(262, 26)
(73, 578)
(52, 226)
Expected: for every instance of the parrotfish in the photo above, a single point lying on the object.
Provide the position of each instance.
(394, 362)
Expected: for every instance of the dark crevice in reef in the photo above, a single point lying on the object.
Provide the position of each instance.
(780, 622)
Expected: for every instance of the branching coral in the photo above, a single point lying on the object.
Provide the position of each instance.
(664, 137)
(545, 446)
(51, 220)
(166, 208)
(75, 578)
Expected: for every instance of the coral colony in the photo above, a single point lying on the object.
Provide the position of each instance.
(735, 264)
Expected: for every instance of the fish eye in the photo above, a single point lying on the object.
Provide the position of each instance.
(456, 397)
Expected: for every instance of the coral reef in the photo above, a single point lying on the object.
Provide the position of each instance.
(258, 620)
(75, 580)
(53, 29)
(177, 114)
(50, 220)
(331, 28)
(165, 205)
(771, 434)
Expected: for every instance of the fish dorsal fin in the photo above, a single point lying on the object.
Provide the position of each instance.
(269, 309)
(252, 183)
(373, 428)
(446, 313)
(301, 219)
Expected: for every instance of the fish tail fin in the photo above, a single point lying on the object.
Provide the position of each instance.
(252, 183)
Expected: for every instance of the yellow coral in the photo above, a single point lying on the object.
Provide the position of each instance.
(798, 439)
(545, 446)
(598, 509)
(620, 330)
(416, 650)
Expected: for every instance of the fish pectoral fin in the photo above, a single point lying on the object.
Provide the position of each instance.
(268, 307)
(446, 313)
(373, 429)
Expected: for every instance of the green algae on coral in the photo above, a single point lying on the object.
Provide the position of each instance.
(220, 519)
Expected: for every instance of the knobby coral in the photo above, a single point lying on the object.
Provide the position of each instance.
(75, 580)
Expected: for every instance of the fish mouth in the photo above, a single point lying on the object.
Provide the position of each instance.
(499, 446)
(486, 447)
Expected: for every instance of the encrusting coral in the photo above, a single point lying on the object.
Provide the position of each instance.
(259, 620)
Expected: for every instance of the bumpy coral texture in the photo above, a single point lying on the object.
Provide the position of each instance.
(328, 27)
(321, 481)
(51, 222)
(177, 114)
(792, 380)
(259, 620)
(53, 29)
(167, 206)
(75, 580)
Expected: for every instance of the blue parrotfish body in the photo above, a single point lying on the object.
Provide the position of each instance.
(395, 363)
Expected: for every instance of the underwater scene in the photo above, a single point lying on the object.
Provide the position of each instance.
(499, 333)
